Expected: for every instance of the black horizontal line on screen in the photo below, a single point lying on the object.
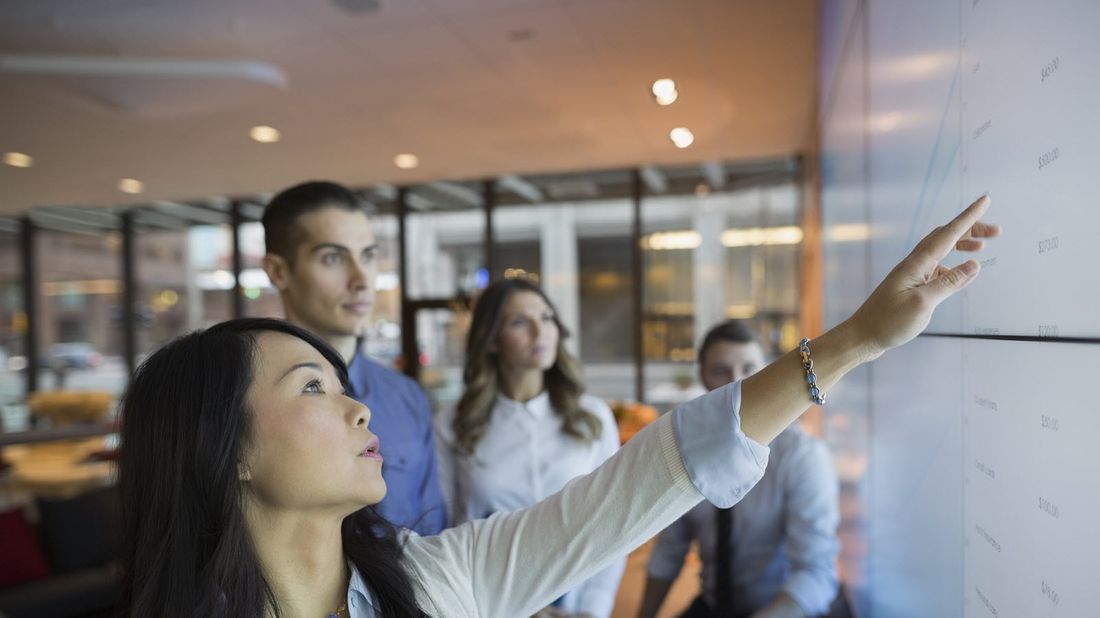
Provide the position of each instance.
(1028, 338)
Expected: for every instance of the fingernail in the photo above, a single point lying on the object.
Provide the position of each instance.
(969, 268)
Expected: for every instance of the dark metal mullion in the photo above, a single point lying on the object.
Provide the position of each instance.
(636, 288)
(489, 203)
(129, 292)
(408, 312)
(235, 221)
(27, 235)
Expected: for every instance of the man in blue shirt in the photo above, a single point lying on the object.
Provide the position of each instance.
(322, 257)
(774, 554)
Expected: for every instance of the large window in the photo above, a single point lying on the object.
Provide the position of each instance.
(710, 256)
(383, 337)
(578, 250)
(445, 232)
(710, 249)
(80, 311)
(13, 328)
(446, 239)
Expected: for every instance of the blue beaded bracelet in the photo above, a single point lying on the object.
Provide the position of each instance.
(816, 394)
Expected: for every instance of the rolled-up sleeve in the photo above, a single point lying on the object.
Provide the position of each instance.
(722, 462)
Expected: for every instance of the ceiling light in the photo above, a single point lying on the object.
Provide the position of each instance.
(664, 91)
(757, 236)
(885, 122)
(406, 161)
(848, 232)
(663, 241)
(681, 136)
(18, 159)
(521, 34)
(264, 134)
(359, 7)
(131, 186)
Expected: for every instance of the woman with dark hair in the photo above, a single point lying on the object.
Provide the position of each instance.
(247, 476)
(230, 504)
(524, 426)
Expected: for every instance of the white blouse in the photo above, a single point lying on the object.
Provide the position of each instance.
(523, 458)
(513, 564)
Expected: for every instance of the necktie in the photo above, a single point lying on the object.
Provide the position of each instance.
(723, 589)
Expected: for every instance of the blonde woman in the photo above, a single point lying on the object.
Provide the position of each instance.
(524, 426)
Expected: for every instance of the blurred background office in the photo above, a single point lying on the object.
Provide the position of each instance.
(655, 166)
(645, 162)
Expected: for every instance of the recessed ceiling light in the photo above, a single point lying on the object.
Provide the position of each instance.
(359, 7)
(886, 122)
(406, 161)
(681, 136)
(664, 91)
(264, 134)
(131, 186)
(521, 34)
(18, 159)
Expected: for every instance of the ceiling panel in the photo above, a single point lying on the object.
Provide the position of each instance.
(475, 88)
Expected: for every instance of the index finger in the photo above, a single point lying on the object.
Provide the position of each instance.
(941, 241)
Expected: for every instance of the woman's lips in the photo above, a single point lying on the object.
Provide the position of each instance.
(358, 308)
(373, 449)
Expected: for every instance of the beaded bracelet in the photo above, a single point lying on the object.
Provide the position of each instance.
(816, 394)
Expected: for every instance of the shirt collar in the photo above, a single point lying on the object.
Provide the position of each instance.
(360, 600)
(358, 368)
(537, 407)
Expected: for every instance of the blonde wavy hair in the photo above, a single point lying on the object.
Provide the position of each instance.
(481, 375)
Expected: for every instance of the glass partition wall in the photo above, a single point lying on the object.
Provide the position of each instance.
(639, 263)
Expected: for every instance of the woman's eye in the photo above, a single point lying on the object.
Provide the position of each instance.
(314, 386)
(331, 258)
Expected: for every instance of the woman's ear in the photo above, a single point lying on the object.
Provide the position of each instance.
(243, 473)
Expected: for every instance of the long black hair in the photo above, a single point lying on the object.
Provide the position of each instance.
(186, 549)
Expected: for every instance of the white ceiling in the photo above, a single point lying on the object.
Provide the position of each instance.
(475, 88)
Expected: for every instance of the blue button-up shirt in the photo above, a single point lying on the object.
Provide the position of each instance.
(784, 536)
(402, 420)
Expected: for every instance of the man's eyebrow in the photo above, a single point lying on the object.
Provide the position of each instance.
(330, 245)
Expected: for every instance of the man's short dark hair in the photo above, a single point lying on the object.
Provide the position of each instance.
(731, 331)
(282, 235)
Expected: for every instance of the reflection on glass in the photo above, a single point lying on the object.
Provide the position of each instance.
(710, 256)
(441, 344)
(446, 235)
(79, 327)
(13, 328)
(382, 340)
(579, 253)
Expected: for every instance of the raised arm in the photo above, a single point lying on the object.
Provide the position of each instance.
(513, 564)
(896, 312)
